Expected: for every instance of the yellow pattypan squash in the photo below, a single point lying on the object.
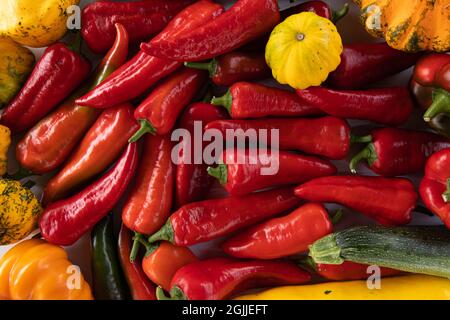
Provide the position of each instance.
(5, 142)
(303, 50)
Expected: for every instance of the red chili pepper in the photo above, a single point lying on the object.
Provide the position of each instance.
(281, 237)
(140, 286)
(325, 136)
(143, 71)
(389, 201)
(389, 106)
(65, 221)
(435, 186)
(365, 63)
(159, 112)
(318, 7)
(220, 278)
(101, 145)
(242, 171)
(150, 200)
(142, 20)
(59, 71)
(244, 21)
(233, 67)
(396, 152)
(211, 219)
(251, 100)
(48, 144)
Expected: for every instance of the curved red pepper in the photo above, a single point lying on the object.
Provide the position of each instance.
(389, 201)
(220, 278)
(282, 237)
(65, 221)
(389, 106)
(325, 136)
(435, 186)
(396, 152)
(206, 220)
(244, 21)
(242, 170)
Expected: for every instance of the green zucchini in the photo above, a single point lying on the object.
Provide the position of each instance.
(424, 249)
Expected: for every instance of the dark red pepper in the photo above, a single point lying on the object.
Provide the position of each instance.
(318, 7)
(65, 221)
(220, 278)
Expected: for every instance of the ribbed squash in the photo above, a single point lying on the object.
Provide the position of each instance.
(412, 25)
(5, 142)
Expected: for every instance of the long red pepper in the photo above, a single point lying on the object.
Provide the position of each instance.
(390, 201)
(281, 237)
(242, 171)
(395, 152)
(101, 145)
(220, 278)
(48, 144)
(251, 100)
(435, 186)
(325, 136)
(65, 221)
(142, 20)
(365, 63)
(57, 73)
(244, 21)
(389, 106)
(143, 71)
(206, 220)
(159, 112)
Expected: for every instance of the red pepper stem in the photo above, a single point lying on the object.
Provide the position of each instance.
(224, 101)
(211, 66)
(338, 15)
(75, 46)
(175, 294)
(135, 248)
(166, 233)
(20, 174)
(441, 104)
(360, 139)
(220, 172)
(368, 153)
(337, 216)
(146, 127)
(446, 194)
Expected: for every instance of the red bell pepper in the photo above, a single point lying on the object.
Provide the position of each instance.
(318, 7)
(389, 106)
(244, 21)
(325, 136)
(389, 201)
(57, 73)
(65, 221)
(396, 152)
(220, 278)
(206, 220)
(251, 100)
(435, 186)
(281, 237)
(142, 20)
(242, 171)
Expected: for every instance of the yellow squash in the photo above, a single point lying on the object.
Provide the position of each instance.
(411, 287)
(37, 270)
(303, 50)
(34, 23)
(5, 142)
(412, 25)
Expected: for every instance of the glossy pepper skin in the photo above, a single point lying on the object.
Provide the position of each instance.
(48, 144)
(101, 145)
(65, 221)
(142, 20)
(365, 63)
(143, 71)
(246, 20)
(108, 279)
(325, 136)
(59, 71)
(251, 100)
(281, 237)
(390, 201)
(210, 219)
(435, 186)
(243, 171)
(221, 278)
(150, 199)
(389, 106)
(395, 152)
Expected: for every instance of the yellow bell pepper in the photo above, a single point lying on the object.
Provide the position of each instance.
(411, 287)
(34, 23)
(303, 50)
(37, 270)
(5, 142)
